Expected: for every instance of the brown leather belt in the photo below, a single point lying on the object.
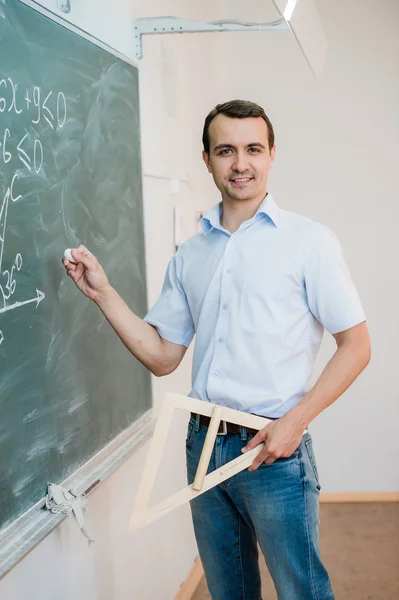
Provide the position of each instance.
(224, 426)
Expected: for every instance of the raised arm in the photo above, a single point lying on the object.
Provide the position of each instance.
(160, 356)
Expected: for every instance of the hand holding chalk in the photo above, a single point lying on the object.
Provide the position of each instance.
(87, 273)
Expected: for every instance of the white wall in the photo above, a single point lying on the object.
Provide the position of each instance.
(336, 144)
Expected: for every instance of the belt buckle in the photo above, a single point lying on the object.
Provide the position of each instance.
(224, 432)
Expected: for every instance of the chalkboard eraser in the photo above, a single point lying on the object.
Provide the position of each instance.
(68, 255)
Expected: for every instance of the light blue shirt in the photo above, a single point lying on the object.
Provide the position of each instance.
(258, 301)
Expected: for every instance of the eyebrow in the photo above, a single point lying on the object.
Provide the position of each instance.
(251, 145)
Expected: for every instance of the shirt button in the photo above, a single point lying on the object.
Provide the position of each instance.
(228, 271)
(215, 373)
(224, 306)
(220, 339)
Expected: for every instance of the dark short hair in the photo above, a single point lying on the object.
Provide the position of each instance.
(237, 109)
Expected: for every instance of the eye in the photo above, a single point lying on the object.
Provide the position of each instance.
(253, 150)
(224, 151)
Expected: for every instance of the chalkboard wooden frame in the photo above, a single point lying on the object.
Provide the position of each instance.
(29, 529)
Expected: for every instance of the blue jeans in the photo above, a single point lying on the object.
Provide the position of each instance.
(277, 505)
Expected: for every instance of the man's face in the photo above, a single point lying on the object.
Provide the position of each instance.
(239, 157)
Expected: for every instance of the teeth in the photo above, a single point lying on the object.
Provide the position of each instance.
(240, 180)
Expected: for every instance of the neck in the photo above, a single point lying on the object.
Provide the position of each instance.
(235, 212)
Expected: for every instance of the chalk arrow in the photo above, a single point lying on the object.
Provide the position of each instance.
(38, 299)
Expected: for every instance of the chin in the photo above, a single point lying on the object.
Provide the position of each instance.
(242, 197)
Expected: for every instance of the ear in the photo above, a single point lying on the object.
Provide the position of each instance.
(205, 158)
(272, 155)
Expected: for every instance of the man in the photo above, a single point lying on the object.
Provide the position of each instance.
(257, 286)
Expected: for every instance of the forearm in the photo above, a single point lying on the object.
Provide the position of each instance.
(139, 337)
(340, 372)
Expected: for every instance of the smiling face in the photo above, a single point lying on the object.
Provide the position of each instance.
(239, 157)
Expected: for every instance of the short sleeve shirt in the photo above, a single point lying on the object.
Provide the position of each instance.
(257, 301)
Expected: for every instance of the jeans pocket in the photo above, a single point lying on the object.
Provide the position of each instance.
(281, 461)
(312, 460)
(190, 431)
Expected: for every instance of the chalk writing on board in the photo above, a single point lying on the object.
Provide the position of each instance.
(39, 297)
(44, 107)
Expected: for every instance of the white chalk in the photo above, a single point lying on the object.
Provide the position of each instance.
(68, 255)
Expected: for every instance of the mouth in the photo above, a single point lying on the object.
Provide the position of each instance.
(241, 181)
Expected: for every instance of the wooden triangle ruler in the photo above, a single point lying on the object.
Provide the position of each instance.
(142, 514)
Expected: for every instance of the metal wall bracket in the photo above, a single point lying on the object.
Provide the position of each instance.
(64, 6)
(161, 25)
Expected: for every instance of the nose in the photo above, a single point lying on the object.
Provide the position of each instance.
(240, 163)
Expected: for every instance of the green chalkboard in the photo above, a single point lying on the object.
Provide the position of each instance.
(70, 173)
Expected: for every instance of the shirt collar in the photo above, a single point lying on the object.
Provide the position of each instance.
(268, 207)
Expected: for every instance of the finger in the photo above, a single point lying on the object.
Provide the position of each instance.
(270, 460)
(85, 251)
(66, 263)
(262, 456)
(70, 267)
(76, 273)
(256, 440)
(83, 256)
